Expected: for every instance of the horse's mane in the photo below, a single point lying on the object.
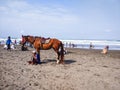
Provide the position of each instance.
(35, 36)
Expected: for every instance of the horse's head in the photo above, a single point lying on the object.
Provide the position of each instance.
(28, 38)
(24, 39)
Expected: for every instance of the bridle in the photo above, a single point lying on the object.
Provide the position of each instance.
(26, 39)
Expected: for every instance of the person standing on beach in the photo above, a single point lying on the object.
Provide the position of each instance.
(8, 43)
(15, 42)
(91, 46)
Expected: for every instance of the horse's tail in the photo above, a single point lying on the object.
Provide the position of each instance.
(62, 52)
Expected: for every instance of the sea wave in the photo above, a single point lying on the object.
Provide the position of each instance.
(98, 44)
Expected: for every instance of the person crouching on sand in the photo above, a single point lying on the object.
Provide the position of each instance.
(35, 58)
(105, 50)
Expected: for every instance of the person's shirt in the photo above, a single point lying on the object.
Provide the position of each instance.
(8, 41)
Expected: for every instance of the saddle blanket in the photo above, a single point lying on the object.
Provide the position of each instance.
(45, 41)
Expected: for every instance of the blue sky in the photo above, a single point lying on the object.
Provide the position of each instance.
(63, 19)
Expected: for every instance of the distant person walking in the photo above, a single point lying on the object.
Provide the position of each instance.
(91, 46)
(15, 42)
(8, 43)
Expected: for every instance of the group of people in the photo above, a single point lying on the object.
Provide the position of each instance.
(36, 57)
(70, 45)
(104, 51)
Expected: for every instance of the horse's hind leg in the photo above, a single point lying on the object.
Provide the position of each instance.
(58, 55)
(58, 59)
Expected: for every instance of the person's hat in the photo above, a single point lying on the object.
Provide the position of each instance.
(33, 51)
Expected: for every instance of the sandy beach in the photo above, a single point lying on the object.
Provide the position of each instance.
(83, 70)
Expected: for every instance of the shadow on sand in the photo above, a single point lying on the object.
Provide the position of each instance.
(69, 61)
(45, 61)
(69, 52)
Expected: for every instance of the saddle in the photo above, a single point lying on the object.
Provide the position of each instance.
(45, 40)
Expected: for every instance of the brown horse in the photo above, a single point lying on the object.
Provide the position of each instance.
(39, 45)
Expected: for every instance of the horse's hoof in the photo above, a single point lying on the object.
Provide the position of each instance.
(61, 62)
(58, 62)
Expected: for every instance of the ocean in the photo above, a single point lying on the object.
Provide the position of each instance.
(98, 44)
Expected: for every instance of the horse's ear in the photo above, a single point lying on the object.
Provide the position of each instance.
(22, 35)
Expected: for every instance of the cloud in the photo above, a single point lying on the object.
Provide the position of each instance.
(31, 19)
(3, 8)
(22, 9)
(22, 17)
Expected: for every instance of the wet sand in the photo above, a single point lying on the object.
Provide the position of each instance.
(83, 70)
